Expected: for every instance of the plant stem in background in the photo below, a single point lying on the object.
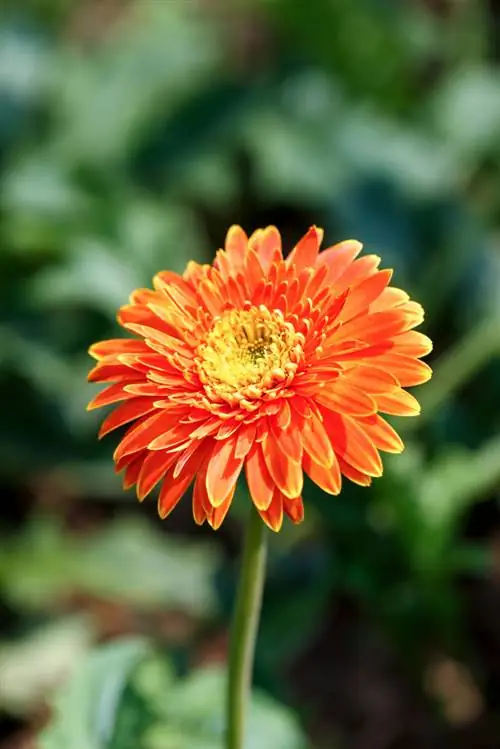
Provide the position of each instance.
(244, 629)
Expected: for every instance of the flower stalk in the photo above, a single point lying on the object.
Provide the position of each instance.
(244, 629)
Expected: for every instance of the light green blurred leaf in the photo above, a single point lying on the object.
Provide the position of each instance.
(39, 185)
(158, 235)
(128, 560)
(25, 65)
(208, 177)
(196, 706)
(371, 144)
(86, 707)
(124, 696)
(157, 56)
(101, 273)
(37, 565)
(32, 667)
(456, 480)
(93, 274)
(134, 562)
(426, 503)
(289, 158)
(56, 377)
(466, 110)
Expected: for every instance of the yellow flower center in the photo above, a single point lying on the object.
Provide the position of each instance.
(247, 354)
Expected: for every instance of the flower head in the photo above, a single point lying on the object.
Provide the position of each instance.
(265, 365)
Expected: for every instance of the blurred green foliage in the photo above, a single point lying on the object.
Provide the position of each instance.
(148, 706)
(131, 136)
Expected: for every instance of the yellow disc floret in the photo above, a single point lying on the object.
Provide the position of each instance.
(247, 353)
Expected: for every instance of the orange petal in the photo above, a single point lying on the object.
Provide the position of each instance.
(115, 372)
(125, 412)
(259, 481)
(412, 343)
(245, 439)
(286, 473)
(316, 442)
(206, 428)
(140, 435)
(305, 252)
(235, 246)
(168, 342)
(376, 327)
(252, 270)
(398, 403)
(140, 315)
(268, 246)
(116, 346)
(175, 433)
(227, 429)
(356, 351)
(190, 454)
(151, 389)
(294, 508)
(390, 297)
(345, 398)
(194, 273)
(288, 440)
(338, 258)
(172, 491)
(351, 443)
(126, 460)
(200, 498)
(145, 297)
(371, 379)
(328, 479)
(132, 472)
(216, 515)
(273, 516)
(110, 394)
(177, 290)
(223, 470)
(383, 436)
(154, 467)
(357, 477)
(409, 371)
(213, 300)
(284, 415)
(360, 269)
(362, 295)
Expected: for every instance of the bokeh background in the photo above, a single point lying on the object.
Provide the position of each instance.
(132, 134)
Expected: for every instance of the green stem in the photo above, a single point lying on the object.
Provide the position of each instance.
(244, 629)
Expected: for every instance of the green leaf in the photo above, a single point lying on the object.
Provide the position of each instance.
(25, 65)
(466, 110)
(371, 143)
(289, 158)
(40, 186)
(197, 706)
(135, 562)
(155, 236)
(86, 708)
(93, 274)
(36, 664)
(458, 479)
(123, 695)
(128, 560)
(157, 56)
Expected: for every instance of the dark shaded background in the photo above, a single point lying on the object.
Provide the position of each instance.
(132, 134)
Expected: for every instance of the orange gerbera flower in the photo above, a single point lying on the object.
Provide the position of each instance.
(268, 365)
